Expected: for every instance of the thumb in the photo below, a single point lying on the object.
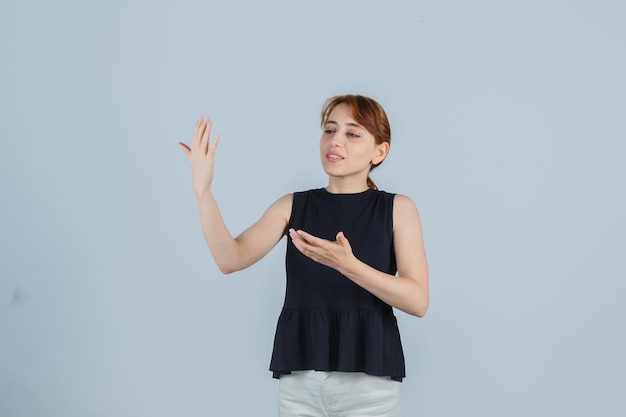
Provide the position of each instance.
(185, 149)
(341, 238)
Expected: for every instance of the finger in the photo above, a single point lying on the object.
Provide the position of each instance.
(303, 246)
(309, 238)
(298, 240)
(197, 133)
(213, 145)
(295, 236)
(204, 141)
(185, 149)
(341, 237)
(198, 124)
(343, 240)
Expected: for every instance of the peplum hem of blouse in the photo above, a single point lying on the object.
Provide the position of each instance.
(338, 339)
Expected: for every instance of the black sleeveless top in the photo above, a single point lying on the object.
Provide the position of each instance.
(329, 323)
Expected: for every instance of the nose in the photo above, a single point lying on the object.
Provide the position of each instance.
(337, 139)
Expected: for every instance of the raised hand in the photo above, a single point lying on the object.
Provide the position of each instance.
(337, 255)
(201, 155)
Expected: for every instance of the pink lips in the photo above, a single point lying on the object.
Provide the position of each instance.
(334, 156)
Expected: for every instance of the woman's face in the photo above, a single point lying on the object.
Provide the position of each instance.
(347, 149)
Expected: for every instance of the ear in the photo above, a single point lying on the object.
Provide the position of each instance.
(380, 153)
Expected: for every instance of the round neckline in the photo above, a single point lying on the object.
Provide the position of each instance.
(346, 195)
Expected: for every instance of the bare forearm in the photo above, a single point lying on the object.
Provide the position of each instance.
(406, 294)
(252, 244)
(223, 247)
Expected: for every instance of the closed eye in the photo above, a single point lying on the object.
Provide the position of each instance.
(353, 135)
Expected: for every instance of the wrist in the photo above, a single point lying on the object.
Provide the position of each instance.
(351, 267)
(203, 193)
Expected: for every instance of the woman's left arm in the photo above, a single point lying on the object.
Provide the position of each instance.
(409, 290)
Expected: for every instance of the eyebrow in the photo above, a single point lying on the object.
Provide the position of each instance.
(348, 124)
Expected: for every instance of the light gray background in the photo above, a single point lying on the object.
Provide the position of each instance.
(508, 132)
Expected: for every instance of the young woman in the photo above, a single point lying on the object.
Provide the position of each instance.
(353, 253)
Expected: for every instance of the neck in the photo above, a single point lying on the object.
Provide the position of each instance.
(346, 186)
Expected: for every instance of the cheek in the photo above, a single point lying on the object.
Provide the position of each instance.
(364, 150)
(323, 147)
(324, 141)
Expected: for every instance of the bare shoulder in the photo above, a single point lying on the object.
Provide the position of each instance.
(403, 201)
(404, 210)
(281, 207)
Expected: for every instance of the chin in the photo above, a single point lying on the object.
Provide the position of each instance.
(330, 171)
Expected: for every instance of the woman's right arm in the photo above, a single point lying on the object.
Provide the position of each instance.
(230, 254)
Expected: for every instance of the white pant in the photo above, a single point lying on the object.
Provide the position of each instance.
(337, 394)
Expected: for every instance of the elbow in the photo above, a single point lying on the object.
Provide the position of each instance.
(419, 309)
(229, 264)
(420, 303)
(227, 269)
